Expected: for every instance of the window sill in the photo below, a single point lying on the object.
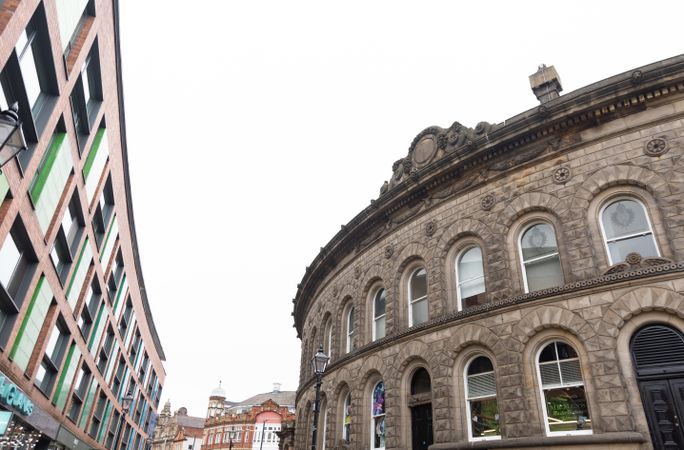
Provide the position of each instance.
(590, 440)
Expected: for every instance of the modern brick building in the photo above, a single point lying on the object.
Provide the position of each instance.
(76, 332)
(515, 285)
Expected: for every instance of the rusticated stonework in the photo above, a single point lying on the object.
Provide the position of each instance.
(483, 187)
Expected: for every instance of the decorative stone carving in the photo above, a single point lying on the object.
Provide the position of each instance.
(430, 228)
(335, 291)
(561, 175)
(656, 147)
(634, 261)
(637, 77)
(487, 202)
(357, 272)
(389, 251)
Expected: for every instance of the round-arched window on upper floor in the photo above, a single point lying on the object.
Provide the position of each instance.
(470, 282)
(379, 313)
(418, 301)
(626, 229)
(351, 332)
(540, 259)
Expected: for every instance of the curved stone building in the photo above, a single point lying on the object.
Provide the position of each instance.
(515, 285)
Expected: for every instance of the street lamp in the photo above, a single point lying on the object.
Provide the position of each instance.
(11, 134)
(318, 363)
(126, 401)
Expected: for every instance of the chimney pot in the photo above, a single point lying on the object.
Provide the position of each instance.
(546, 84)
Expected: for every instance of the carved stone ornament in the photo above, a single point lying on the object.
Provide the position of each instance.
(561, 175)
(637, 77)
(335, 291)
(357, 272)
(542, 111)
(634, 261)
(656, 147)
(430, 228)
(389, 251)
(487, 202)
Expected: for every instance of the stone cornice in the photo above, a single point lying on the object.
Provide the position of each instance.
(540, 132)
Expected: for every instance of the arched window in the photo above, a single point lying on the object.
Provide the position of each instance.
(540, 260)
(346, 418)
(481, 405)
(378, 416)
(562, 390)
(626, 229)
(327, 337)
(379, 303)
(470, 285)
(418, 301)
(420, 382)
(350, 330)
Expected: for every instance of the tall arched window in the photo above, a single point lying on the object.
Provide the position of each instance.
(327, 337)
(481, 405)
(350, 330)
(346, 418)
(470, 284)
(540, 260)
(562, 390)
(626, 229)
(418, 301)
(378, 416)
(379, 303)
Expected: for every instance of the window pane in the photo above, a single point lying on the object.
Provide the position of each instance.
(379, 303)
(379, 432)
(566, 409)
(29, 73)
(419, 312)
(472, 288)
(538, 240)
(420, 383)
(565, 351)
(481, 364)
(470, 265)
(545, 273)
(549, 353)
(643, 245)
(484, 416)
(380, 328)
(482, 385)
(418, 284)
(379, 399)
(624, 217)
(9, 257)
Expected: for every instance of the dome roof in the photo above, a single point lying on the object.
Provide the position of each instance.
(218, 392)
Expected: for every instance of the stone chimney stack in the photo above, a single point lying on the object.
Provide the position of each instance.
(545, 84)
(276, 387)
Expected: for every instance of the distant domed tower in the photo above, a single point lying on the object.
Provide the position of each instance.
(216, 399)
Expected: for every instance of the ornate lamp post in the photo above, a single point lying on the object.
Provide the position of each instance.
(318, 363)
(11, 135)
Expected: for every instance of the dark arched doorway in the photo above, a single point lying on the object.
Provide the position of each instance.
(420, 402)
(658, 356)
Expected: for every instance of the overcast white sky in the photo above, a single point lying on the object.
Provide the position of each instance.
(255, 129)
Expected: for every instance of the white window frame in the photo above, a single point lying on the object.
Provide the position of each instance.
(541, 387)
(621, 238)
(327, 337)
(349, 330)
(469, 399)
(459, 282)
(415, 300)
(538, 258)
(382, 316)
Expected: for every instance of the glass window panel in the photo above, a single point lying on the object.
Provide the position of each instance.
(481, 364)
(9, 257)
(52, 344)
(29, 72)
(484, 417)
(549, 353)
(379, 399)
(419, 312)
(380, 328)
(379, 432)
(565, 351)
(566, 409)
(644, 245)
(549, 374)
(420, 383)
(379, 304)
(472, 288)
(544, 273)
(570, 371)
(538, 240)
(624, 217)
(470, 265)
(418, 284)
(482, 385)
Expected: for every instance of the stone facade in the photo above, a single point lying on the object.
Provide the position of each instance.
(559, 163)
